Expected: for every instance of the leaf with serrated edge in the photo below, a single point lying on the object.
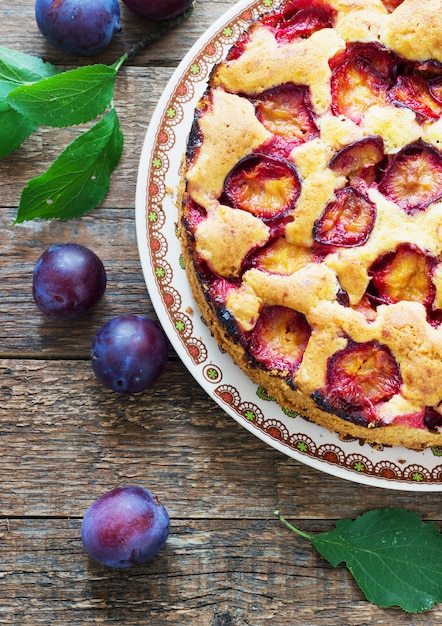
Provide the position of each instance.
(395, 557)
(21, 68)
(14, 127)
(79, 178)
(73, 97)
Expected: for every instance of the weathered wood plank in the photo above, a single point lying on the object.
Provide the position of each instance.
(21, 19)
(65, 439)
(24, 330)
(209, 573)
(60, 427)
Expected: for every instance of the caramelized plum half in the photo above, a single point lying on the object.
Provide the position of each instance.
(262, 185)
(414, 92)
(355, 87)
(286, 111)
(358, 159)
(361, 76)
(347, 221)
(361, 375)
(381, 60)
(413, 179)
(405, 274)
(279, 339)
(299, 18)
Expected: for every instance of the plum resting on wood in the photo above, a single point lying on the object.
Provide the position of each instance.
(124, 527)
(68, 281)
(79, 27)
(129, 353)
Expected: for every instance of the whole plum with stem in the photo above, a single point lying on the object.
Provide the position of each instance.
(158, 9)
(79, 27)
(68, 281)
(124, 527)
(129, 353)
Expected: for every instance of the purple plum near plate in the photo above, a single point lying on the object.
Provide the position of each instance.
(125, 526)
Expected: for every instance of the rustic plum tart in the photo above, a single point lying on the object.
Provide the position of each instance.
(311, 213)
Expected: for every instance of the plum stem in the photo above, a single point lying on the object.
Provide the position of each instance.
(290, 527)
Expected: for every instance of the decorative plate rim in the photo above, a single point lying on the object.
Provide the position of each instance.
(160, 255)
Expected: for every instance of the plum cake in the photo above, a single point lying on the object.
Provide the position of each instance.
(310, 215)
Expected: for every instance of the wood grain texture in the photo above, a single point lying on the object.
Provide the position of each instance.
(65, 439)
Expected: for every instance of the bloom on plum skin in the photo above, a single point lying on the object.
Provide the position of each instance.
(129, 353)
(68, 281)
(126, 526)
(79, 27)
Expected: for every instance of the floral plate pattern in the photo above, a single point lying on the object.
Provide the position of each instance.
(156, 216)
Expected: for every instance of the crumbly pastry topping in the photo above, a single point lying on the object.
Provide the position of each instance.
(311, 219)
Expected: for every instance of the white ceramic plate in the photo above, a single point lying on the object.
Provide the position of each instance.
(156, 217)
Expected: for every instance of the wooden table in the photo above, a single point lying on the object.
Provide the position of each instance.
(65, 439)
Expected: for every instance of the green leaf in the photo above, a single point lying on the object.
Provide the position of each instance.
(72, 97)
(394, 556)
(19, 67)
(79, 178)
(14, 127)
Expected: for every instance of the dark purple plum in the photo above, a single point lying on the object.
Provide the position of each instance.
(124, 527)
(129, 353)
(80, 27)
(158, 9)
(68, 281)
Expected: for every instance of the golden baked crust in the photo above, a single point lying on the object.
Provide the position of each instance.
(413, 30)
(372, 293)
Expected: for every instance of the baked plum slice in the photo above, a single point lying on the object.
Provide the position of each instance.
(413, 179)
(286, 111)
(361, 77)
(360, 376)
(380, 59)
(299, 19)
(282, 257)
(347, 221)
(194, 215)
(217, 290)
(358, 160)
(432, 419)
(279, 339)
(355, 87)
(414, 92)
(405, 274)
(238, 49)
(263, 185)
(435, 88)
(391, 5)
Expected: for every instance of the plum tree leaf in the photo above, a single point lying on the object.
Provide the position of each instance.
(67, 99)
(394, 556)
(21, 68)
(14, 127)
(79, 179)
(36, 93)
(17, 68)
